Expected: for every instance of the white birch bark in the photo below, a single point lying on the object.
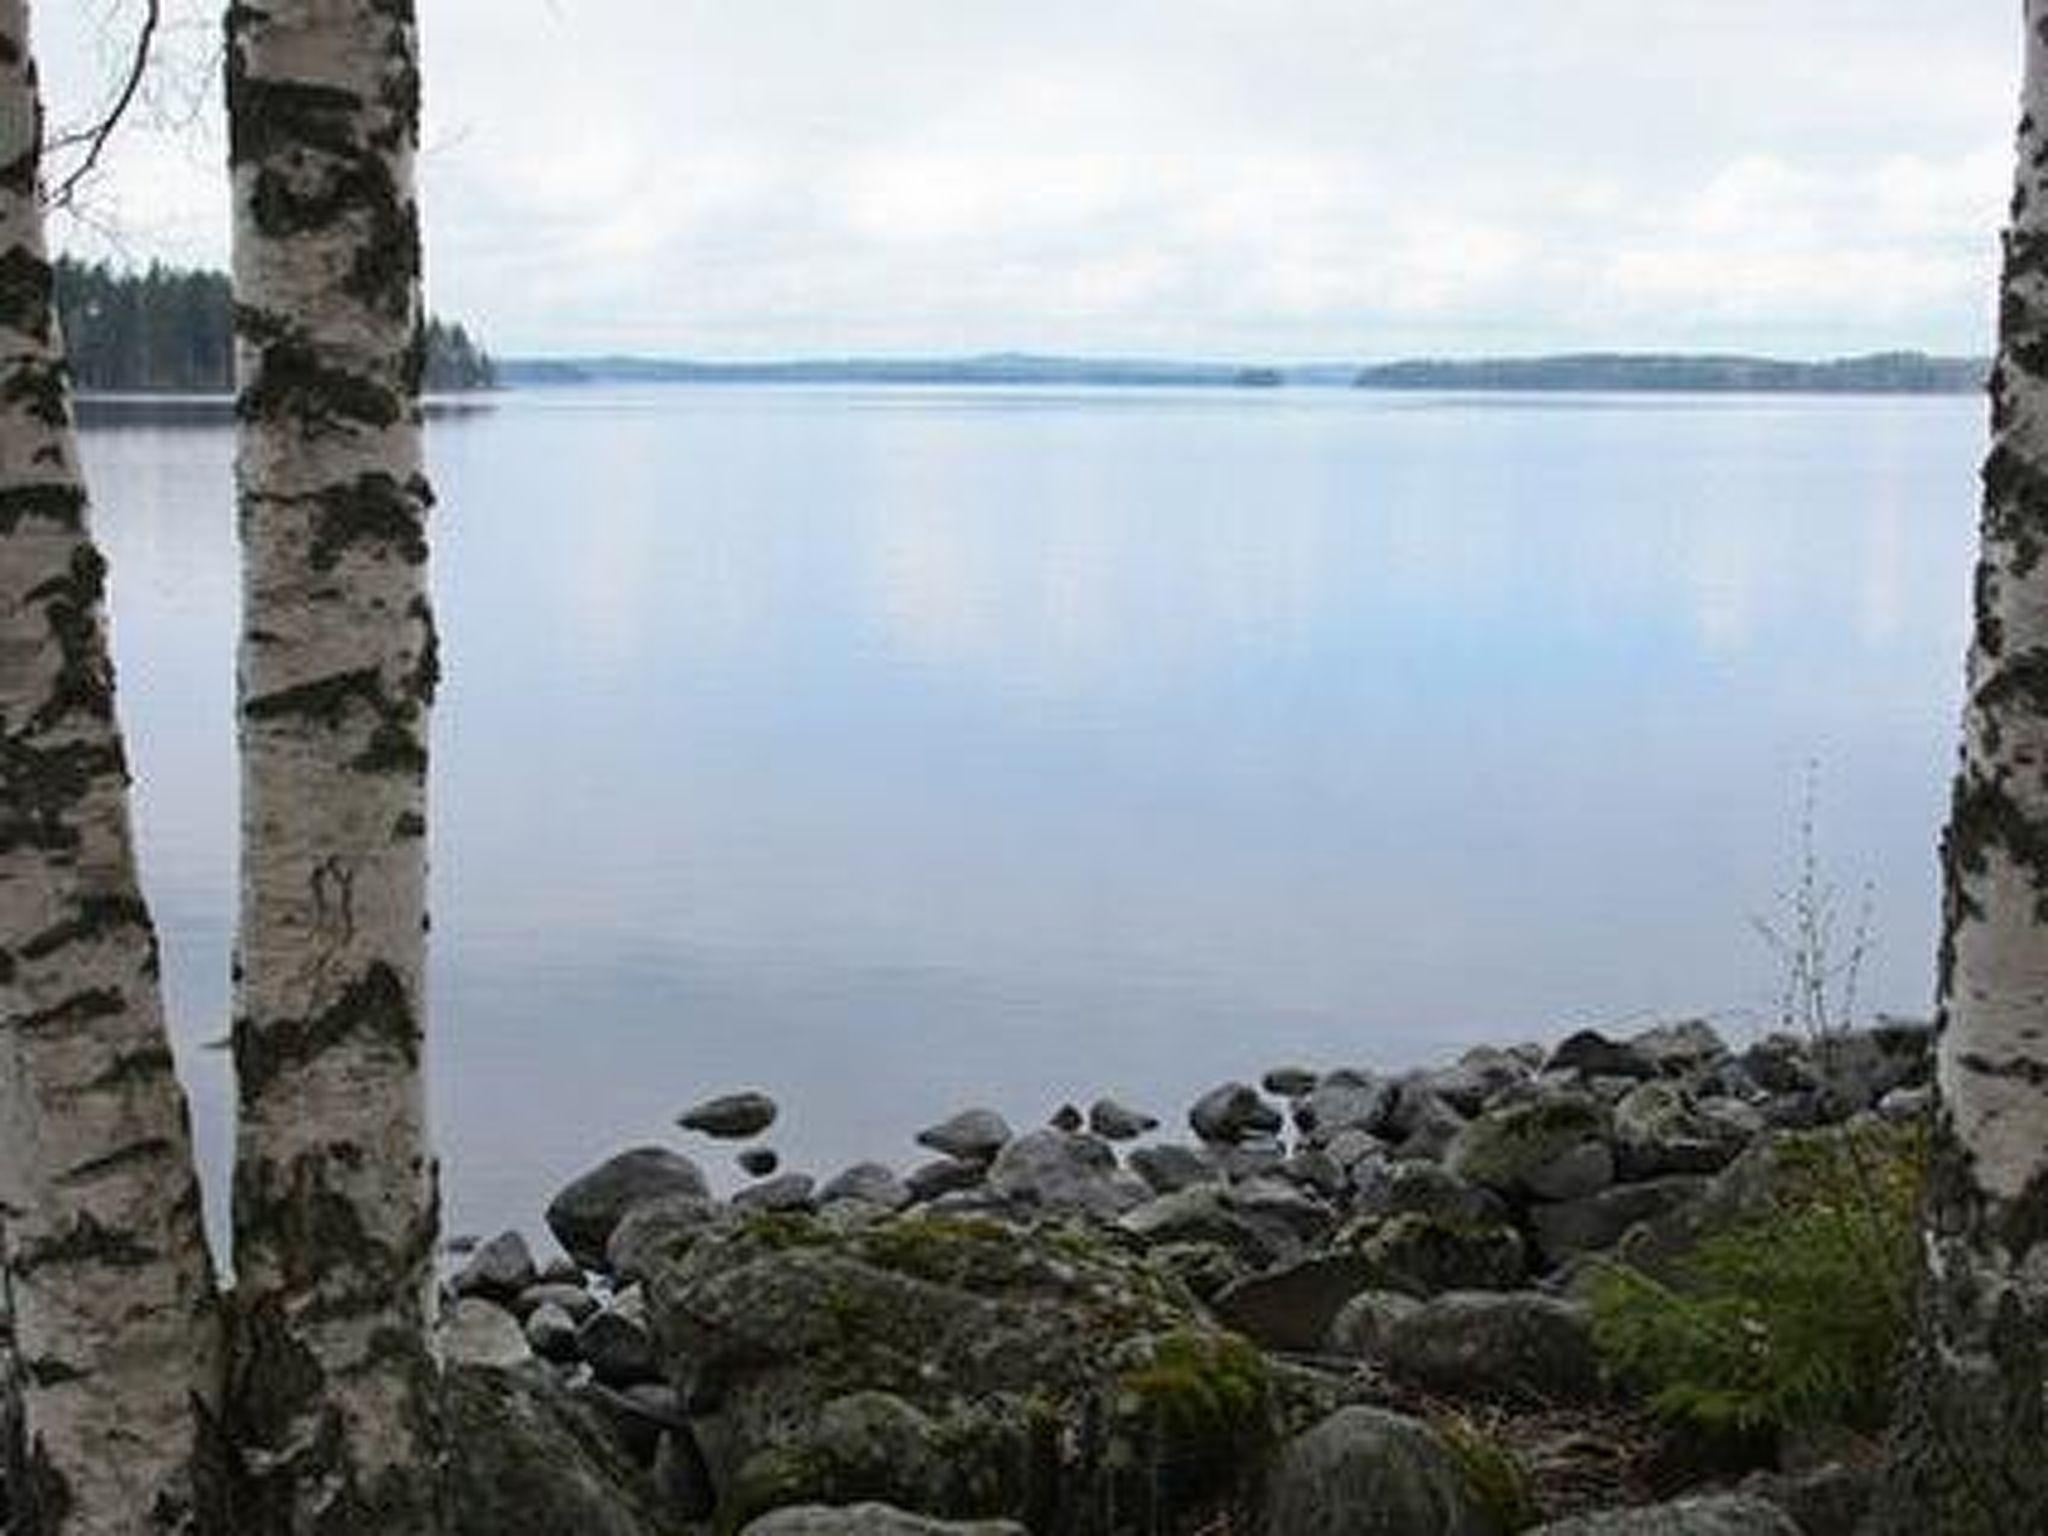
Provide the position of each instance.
(1969, 1444)
(336, 1390)
(115, 1325)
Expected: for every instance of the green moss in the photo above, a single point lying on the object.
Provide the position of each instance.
(1497, 1478)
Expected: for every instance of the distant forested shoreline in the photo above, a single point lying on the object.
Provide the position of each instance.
(1895, 373)
(170, 330)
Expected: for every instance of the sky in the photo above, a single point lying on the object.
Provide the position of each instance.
(1251, 179)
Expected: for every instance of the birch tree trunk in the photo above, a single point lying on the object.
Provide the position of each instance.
(335, 1388)
(1971, 1445)
(114, 1315)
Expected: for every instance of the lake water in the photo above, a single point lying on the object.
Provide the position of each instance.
(893, 749)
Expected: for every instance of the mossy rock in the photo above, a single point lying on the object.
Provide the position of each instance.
(1558, 1147)
(956, 1366)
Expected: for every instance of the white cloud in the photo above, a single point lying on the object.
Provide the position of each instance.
(1293, 177)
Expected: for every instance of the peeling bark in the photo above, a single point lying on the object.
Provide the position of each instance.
(335, 1393)
(116, 1332)
(1967, 1453)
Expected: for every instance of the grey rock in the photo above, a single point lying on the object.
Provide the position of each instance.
(1589, 1053)
(944, 1176)
(497, 1270)
(583, 1215)
(479, 1332)
(1359, 1330)
(616, 1342)
(1385, 1187)
(1367, 1472)
(1902, 1106)
(1203, 1213)
(871, 1520)
(1479, 1076)
(1318, 1171)
(1421, 1254)
(1113, 1121)
(1780, 1063)
(1726, 1514)
(1347, 1102)
(571, 1299)
(874, 1183)
(1170, 1168)
(731, 1116)
(975, 1135)
(1549, 1148)
(1063, 1171)
(1232, 1112)
(551, 1333)
(759, 1162)
(784, 1192)
(561, 1270)
(1288, 1082)
(653, 1228)
(526, 1456)
(1658, 1130)
(1422, 1126)
(1567, 1228)
(1292, 1307)
(1682, 1048)
(1515, 1346)
(1276, 1200)
(1067, 1118)
(1350, 1148)
(681, 1480)
(1256, 1158)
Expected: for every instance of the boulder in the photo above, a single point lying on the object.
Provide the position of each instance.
(784, 1192)
(497, 1270)
(1041, 1367)
(1384, 1187)
(1425, 1255)
(571, 1299)
(731, 1116)
(1359, 1330)
(616, 1341)
(1565, 1229)
(871, 1520)
(1288, 1082)
(551, 1333)
(1726, 1514)
(975, 1135)
(1555, 1147)
(1478, 1077)
(1113, 1121)
(758, 1162)
(1231, 1113)
(1589, 1054)
(1367, 1472)
(1514, 1346)
(1062, 1171)
(1345, 1101)
(1658, 1129)
(944, 1176)
(1680, 1049)
(653, 1227)
(525, 1456)
(870, 1183)
(584, 1214)
(1168, 1168)
(1293, 1306)
(479, 1332)
(1206, 1213)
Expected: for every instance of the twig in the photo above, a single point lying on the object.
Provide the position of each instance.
(95, 137)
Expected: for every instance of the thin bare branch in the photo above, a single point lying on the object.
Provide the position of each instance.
(94, 138)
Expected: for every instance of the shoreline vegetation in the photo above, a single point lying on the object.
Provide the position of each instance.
(1614, 1286)
(1882, 373)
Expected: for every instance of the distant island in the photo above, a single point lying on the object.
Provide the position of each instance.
(170, 330)
(1902, 373)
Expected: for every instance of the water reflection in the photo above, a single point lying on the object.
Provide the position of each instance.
(890, 746)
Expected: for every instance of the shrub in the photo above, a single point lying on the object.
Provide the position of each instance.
(1791, 1317)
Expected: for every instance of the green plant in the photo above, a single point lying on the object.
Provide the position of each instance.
(1498, 1479)
(1791, 1316)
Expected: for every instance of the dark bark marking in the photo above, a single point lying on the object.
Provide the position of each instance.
(41, 786)
(131, 1067)
(291, 382)
(375, 509)
(2016, 1069)
(86, 1241)
(79, 1008)
(147, 1149)
(374, 1011)
(27, 282)
(49, 1371)
(1983, 816)
(95, 917)
(43, 389)
(63, 505)
(324, 700)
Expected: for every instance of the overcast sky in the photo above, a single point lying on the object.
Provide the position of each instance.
(1337, 179)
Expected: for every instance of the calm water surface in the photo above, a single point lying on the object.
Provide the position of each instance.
(892, 749)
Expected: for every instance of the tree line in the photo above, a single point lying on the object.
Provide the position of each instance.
(172, 329)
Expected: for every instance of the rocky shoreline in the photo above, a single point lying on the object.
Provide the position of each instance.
(1343, 1302)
